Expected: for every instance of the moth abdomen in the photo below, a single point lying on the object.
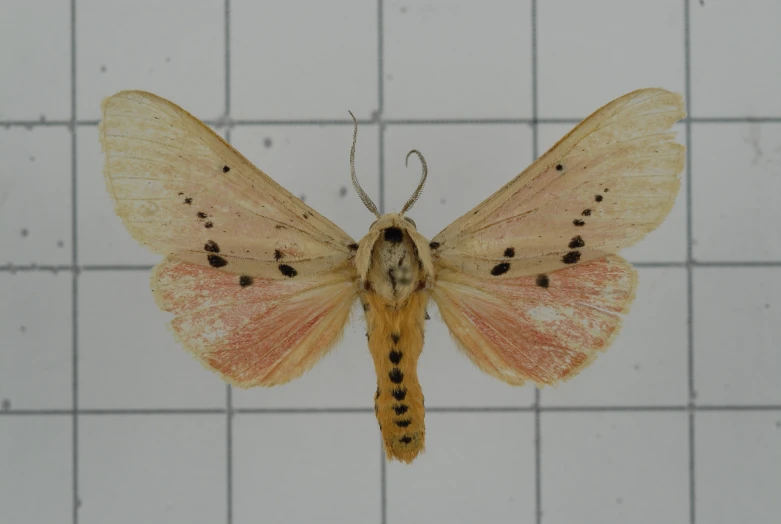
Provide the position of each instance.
(395, 342)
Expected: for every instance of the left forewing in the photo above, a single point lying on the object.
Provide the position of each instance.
(254, 331)
(543, 328)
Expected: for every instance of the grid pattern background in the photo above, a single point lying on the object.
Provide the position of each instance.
(104, 419)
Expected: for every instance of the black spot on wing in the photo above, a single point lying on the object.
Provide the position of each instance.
(577, 242)
(542, 281)
(500, 269)
(225, 169)
(287, 270)
(211, 246)
(598, 198)
(586, 213)
(188, 200)
(353, 247)
(434, 245)
(393, 235)
(559, 167)
(208, 225)
(578, 222)
(277, 254)
(216, 261)
(201, 214)
(509, 252)
(245, 280)
(571, 257)
(606, 190)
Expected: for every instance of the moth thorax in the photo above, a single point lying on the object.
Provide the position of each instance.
(396, 269)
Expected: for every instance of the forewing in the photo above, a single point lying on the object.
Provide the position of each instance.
(543, 328)
(603, 187)
(253, 331)
(182, 190)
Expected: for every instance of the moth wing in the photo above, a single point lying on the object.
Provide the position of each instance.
(602, 187)
(524, 328)
(264, 333)
(183, 191)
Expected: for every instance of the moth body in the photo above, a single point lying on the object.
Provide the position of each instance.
(394, 299)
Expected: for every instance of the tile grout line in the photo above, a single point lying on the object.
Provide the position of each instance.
(75, 274)
(689, 262)
(225, 122)
(535, 152)
(10, 268)
(381, 204)
(228, 388)
(725, 408)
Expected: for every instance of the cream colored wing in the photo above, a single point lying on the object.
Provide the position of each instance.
(603, 187)
(183, 191)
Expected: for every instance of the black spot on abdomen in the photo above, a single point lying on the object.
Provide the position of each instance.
(211, 246)
(500, 269)
(400, 409)
(396, 376)
(399, 393)
(393, 234)
(403, 423)
(405, 439)
(395, 356)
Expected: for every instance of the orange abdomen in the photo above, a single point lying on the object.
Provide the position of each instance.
(395, 342)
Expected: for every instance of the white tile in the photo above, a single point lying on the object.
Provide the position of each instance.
(152, 468)
(313, 163)
(345, 378)
(735, 64)
(36, 483)
(665, 244)
(35, 195)
(36, 352)
(306, 468)
(35, 61)
(175, 49)
(449, 379)
(735, 188)
(736, 334)
(127, 356)
(102, 236)
(615, 468)
(303, 60)
(738, 467)
(466, 164)
(477, 467)
(647, 363)
(458, 59)
(592, 52)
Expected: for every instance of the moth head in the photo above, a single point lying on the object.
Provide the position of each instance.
(362, 194)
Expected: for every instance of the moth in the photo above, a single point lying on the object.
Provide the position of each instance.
(261, 285)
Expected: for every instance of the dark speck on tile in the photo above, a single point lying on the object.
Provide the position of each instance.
(302, 197)
(32, 159)
(60, 243)
(342, 191)
(267, 142)
(102, 69)
(6, 404)
(22, 328)
(24, 232)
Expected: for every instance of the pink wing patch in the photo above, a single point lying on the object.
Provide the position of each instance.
(253, 331)
(543, 328)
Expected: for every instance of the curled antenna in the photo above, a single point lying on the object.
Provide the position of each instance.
(416, 194)
(358, 189)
